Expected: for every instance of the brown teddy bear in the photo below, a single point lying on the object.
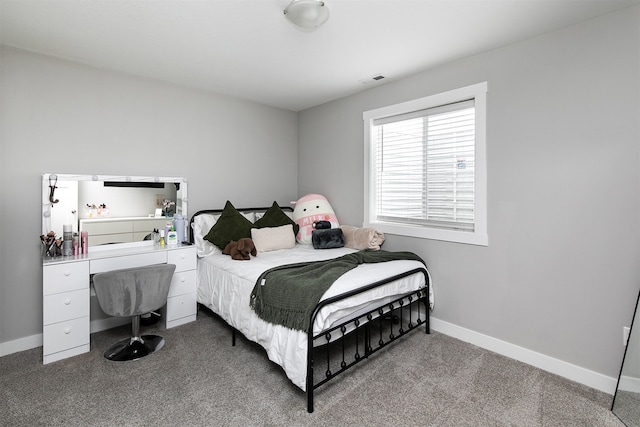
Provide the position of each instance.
(241, 249)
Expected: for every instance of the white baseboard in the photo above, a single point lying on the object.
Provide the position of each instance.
(33, 341)
(629, 384)
(108, 323)
(555, 366)
(21, 344)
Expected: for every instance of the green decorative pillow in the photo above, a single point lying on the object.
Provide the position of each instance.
(231, 225)
(275, 217)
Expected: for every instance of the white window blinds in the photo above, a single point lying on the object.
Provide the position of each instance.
(425, 167)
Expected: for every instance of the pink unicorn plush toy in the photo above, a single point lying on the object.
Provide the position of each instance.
(310, 209)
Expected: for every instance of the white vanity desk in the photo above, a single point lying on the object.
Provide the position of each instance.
(66, 291)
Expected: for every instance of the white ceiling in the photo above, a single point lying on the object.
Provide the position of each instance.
(247, 49)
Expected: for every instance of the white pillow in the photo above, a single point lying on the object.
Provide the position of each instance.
(201, 226)
(273, 238)
(251, 216)
(261, 214)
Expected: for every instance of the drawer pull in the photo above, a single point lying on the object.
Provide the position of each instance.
(67, 301)
(67, 330)
(183, 280)
(67, 273)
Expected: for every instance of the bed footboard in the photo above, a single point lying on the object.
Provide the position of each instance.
(339, 348)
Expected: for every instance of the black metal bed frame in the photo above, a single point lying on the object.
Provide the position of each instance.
(398, 312)
(387, 322)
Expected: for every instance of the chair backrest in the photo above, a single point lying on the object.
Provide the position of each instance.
(133, 291)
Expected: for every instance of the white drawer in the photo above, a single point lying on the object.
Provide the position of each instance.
(65, 306)
(107, 227)
(101, 239)
(127, 261)
(65, 277)
(147, 225)
(183, 282)
(65, 335)
(139, 236)
(181, 306)
(184, 259)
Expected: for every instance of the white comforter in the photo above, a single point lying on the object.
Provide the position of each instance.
(225, 285)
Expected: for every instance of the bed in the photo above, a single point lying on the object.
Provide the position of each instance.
(364, 310)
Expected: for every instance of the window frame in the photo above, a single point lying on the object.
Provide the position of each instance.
(479, 235)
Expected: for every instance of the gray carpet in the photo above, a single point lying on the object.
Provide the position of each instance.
(627, 408)
(199, 379)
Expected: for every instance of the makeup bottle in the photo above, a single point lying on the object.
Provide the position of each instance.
(67, 240)
(172, 237)
(167, 228)
(84, 241)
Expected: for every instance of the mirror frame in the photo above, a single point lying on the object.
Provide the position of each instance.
(628, 417)
(48, 178)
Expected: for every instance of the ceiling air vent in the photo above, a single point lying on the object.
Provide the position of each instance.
(373, 79)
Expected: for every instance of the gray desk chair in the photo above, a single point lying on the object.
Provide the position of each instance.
(130, 293)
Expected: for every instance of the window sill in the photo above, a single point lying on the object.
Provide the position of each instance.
(465, 237)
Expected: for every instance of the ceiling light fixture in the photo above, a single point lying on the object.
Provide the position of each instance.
(307, 15)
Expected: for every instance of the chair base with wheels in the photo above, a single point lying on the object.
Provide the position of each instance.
(130, 293)
(136, 346)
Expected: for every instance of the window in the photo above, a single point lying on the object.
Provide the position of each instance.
(425, 167)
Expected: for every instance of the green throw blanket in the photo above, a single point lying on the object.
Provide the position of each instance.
(288, 294)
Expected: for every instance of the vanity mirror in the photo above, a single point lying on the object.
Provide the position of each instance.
(626, 402)
(116, 209)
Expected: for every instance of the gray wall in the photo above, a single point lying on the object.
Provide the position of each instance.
(59, 116)
(560, 275)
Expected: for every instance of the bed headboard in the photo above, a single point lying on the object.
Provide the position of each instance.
(219, 211)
